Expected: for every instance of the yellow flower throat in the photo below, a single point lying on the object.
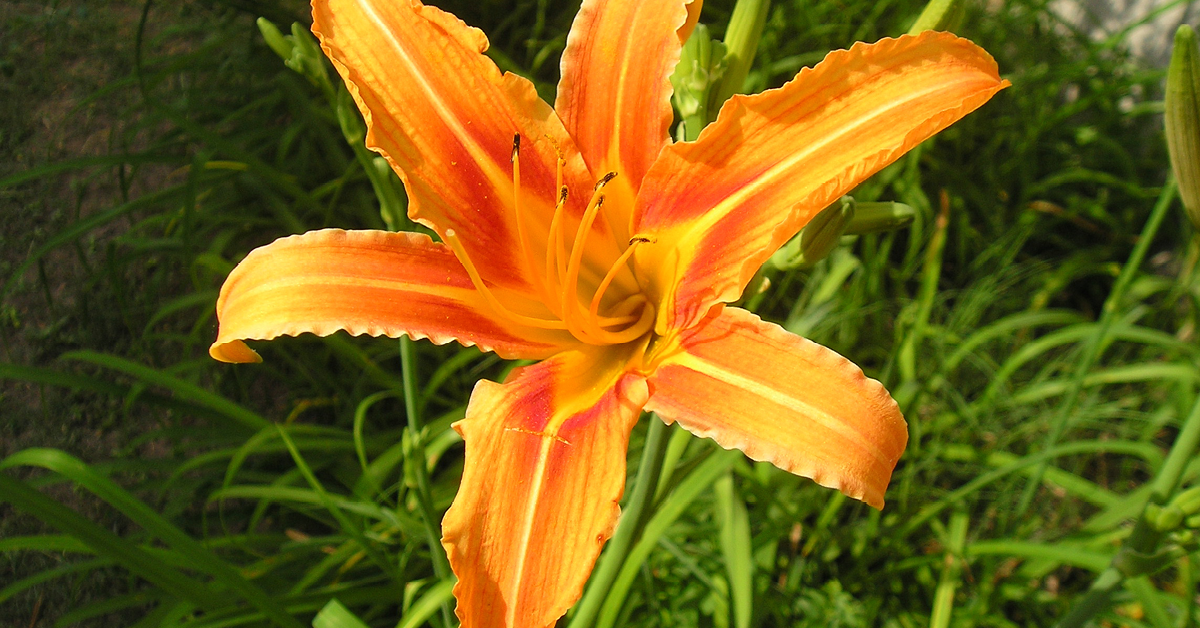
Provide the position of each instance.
(557, 279)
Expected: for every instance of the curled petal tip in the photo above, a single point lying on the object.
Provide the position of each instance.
(234, 352)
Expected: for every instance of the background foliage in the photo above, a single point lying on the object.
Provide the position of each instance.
(146, 147)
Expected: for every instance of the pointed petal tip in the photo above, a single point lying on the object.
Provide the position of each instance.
(780, 398)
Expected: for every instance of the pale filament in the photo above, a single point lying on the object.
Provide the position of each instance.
(453, 242)
(555, 253)
(520, 218)
(612, 274)
(562, 271)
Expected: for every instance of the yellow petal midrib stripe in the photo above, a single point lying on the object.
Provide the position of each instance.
(694, 363)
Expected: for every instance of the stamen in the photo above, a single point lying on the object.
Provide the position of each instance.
(644, 324)
(612, 274)
(624, 310)
(570, 300)
(555, 254)
(608, 223)
(604, 180)
(451, 239)
(526, 252)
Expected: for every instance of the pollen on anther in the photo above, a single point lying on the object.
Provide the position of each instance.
(605, 179)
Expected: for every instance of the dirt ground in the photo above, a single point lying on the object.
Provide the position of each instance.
(64, 95)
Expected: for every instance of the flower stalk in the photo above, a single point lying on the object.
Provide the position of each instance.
(1140, 554)
(416, 472)
(939, 15)
(636, 512)
(701, 66)
(741, 43)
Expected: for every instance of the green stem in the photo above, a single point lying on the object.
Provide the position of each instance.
(636, 513)
(441, 566)
(1169, 476)
(1144, 539)
(1094, 346)
(741, 43)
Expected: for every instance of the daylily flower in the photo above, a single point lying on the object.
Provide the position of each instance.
(579, 235)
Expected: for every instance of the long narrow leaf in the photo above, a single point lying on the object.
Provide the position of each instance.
(199, 556)
(105, 543)
(183, 390)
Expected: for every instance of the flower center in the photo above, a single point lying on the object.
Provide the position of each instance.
(556, 277)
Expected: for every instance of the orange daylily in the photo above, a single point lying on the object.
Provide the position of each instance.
(579, 235)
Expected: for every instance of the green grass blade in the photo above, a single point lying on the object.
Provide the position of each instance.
(196, 554)
(698, 481)
(347, 525)
(107, 544)
(1061, 553)
(183, 390)
(85, 566)
(335, 615)
(943, 600)
(88, 224)
(1143, 450)
(736, 548)
(44, 543)
(428, 604)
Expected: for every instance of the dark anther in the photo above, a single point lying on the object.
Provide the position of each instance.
(516, 146)
(642, 239)
(562, 195)
(604, 181)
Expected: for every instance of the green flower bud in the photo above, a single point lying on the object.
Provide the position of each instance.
(1183, 119)
(701, 65)
(939, 15)
(741, 43)
(1166, 519)
(876, 217)
(818, 238)
(282, 46)
(1188, 502)
(299, 52)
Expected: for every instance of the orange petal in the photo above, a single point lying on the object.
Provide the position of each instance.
(545, 469)
(780, 398)
(443, 115)
(615, 96)
(720, 206)
(364, 282)
(693, 18)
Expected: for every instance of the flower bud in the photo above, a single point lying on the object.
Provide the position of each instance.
(1165, 519)
(876, 217)
(282, 46)
(1183, 119)
(741, 43)
(818, 238)
(299, 52)
(701, 65)
(1188, 502)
